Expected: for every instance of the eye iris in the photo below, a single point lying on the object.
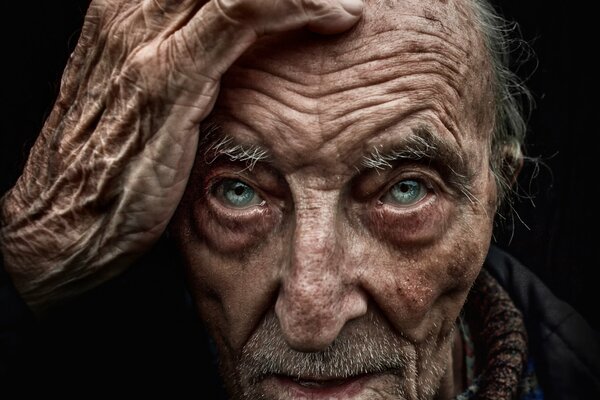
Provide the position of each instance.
(238, 193)
(407, 192)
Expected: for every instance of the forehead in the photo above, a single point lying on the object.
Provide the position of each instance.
(327, 101)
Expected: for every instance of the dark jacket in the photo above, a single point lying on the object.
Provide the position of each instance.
(139, 333)
(565, 348)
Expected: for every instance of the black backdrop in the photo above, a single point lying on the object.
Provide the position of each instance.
(557, 236)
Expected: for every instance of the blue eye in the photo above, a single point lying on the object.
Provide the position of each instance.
(405, 193)
(236, 194)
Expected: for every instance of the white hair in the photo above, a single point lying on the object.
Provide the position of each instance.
(507, 141)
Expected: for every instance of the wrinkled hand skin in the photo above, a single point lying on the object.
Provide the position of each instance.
(113, 159)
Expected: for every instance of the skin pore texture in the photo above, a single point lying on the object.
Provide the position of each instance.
(341, 206)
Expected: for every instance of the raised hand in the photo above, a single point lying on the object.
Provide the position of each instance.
(112, 161)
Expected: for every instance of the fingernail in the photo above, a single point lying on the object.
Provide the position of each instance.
(353, 7)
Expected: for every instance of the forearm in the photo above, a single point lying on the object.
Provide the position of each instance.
(110, 166)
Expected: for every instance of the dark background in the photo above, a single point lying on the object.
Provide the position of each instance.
(555, 234)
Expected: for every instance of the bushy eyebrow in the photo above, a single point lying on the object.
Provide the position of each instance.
(421, 146)
(424, 147)
(214, 144)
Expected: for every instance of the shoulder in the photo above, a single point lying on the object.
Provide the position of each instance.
(565, 347)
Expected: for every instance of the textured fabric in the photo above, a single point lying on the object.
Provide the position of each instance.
(503, 335)
(504, 339)
(565, 348)
(529, 387)
(468, 350)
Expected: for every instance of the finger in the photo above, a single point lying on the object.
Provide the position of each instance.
(334, 19)
(163, 13)
(268, 16)
(221, 30)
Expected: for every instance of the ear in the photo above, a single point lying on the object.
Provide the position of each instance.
(511, 162)
(516, 170)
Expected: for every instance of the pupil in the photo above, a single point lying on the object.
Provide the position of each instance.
(404, 188)
(239, 190)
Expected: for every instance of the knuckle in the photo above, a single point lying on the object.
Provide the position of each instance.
(140, 66)
(315, 6)
(237, 11)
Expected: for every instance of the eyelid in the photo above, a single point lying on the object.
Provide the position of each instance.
(216, 177)
(218, 191)
(432, 183)
(268, 184)
(219, 179)
(272, 204)
(428, 197)
(375, 183)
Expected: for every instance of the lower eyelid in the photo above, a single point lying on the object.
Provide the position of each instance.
(251, 212)
(229, 230)
(419, 223)
(426, 200)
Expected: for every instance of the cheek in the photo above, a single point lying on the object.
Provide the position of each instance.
(422, 289)
(232, 261)
(232, 290)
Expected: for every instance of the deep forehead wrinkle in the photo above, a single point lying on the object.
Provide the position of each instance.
(421, 56)
(320, 103)
(316, 67)
(439, 26)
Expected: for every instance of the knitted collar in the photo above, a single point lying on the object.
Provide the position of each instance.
(499, 349)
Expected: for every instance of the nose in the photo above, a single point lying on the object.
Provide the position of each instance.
(318, 295)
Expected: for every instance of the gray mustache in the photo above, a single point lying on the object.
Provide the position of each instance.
(372, 348)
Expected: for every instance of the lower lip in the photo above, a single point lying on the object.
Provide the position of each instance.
(347, 388)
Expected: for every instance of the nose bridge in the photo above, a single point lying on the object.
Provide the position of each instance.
(316, 298)
(315, 239)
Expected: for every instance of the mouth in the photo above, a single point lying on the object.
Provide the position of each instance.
(321, 388)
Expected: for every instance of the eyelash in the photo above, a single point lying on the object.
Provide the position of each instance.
(396, 224)
(428, 182)
(211, 186)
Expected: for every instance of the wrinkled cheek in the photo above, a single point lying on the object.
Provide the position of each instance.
(207, 283)
(414, 295)
(231, 290)
(424, 298)
(229, 285)
(210, 286)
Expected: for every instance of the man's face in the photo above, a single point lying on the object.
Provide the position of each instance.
(342, 204)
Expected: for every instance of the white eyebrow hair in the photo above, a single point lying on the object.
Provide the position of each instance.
(415, 148)
(423, 146)
(216, 145)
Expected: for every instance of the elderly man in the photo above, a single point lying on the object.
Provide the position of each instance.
(333, 211)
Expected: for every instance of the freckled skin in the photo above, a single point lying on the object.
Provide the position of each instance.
(319, 257)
